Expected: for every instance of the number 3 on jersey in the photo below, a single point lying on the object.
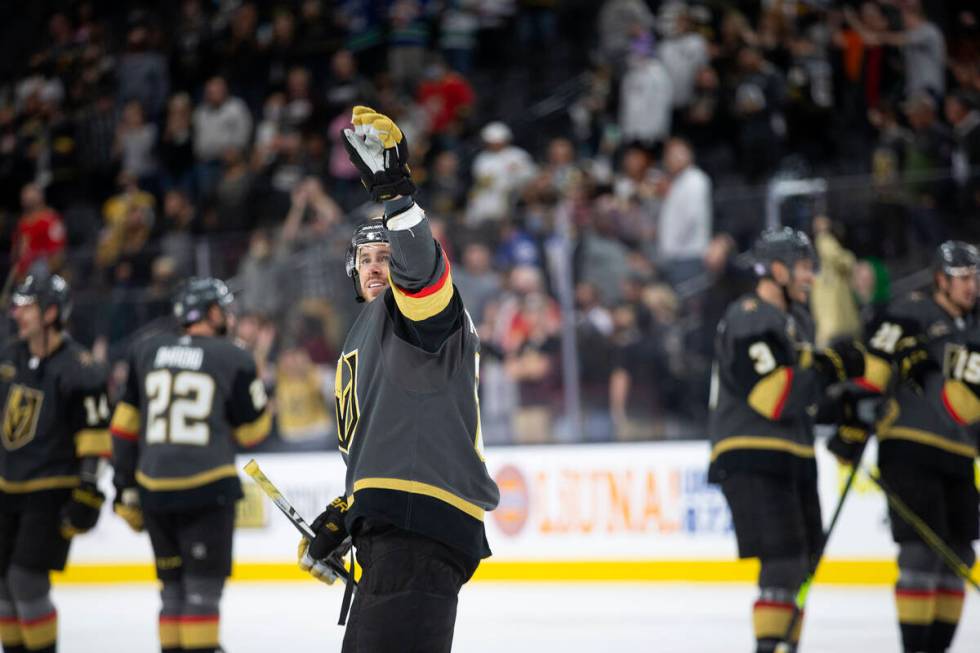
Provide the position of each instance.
(178, 408)
(761, 355)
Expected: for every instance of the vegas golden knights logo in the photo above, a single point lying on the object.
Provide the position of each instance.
(20, 416)
(348, 410)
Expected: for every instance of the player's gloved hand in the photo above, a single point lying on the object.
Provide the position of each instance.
(81, 512)
(319, 569)
(127, 506)
(841, 360)
(379, 151)
(857, 416)
(912, 359)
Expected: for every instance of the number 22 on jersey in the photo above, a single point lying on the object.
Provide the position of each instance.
(179, 405)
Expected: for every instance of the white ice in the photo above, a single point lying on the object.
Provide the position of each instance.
(508, 618)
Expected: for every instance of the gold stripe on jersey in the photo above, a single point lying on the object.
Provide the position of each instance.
(428, 301)
(125, 420)
(769, 394)
(761, 442)
(38, 484)
(877, 372)
(169, 483)
(961, 402)
(928, 439)
(249, 435)
(93, 442)
(415, 487)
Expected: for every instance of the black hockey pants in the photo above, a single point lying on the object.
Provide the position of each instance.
(406, 598)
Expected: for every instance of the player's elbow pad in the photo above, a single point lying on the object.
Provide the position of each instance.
(768, 396)
(961, 402)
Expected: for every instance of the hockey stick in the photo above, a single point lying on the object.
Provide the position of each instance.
(280, 501)
(929, 536)
(785, 645)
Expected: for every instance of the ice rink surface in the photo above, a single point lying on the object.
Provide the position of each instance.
(508, 618)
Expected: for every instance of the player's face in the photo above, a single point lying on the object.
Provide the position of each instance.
(962, 291)
(372, 269)
(28, 318)
(801, 281)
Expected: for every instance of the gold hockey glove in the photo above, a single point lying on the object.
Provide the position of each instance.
(127, 506)
(379, 151)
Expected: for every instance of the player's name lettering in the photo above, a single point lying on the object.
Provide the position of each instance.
(188, 358)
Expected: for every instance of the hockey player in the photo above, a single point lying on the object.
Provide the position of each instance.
(190, 398)
(927, 440)
(55, 433)
(408, 420)
(767, 375)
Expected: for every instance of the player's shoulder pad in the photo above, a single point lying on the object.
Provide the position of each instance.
(749, 316)
(80, 371)
(914, 312)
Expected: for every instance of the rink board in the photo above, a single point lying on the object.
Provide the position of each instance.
(623, 512)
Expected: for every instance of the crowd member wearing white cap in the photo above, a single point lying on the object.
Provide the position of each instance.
(500, 170)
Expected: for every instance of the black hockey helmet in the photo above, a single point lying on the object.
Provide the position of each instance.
(46, 290)
(955, 258)
(372, 232)
(195, 296)
(785, 244)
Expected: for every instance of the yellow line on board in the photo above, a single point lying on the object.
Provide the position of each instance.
(838, 572)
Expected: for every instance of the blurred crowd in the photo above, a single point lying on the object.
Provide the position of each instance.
(592, 169)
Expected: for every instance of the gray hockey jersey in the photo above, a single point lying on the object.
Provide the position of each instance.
(408, 416)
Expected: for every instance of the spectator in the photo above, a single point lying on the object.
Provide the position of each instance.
(408, 36)
(685, 218)
(477, 283)
(447, 99)
(221, 123)
(302, 414)
(758, 109)
(536, 367)
(345, 86)
(683, 52)
(176, 149)
(130, 194)
(929, 152)
(233, 201)
(645, 97)
(620, 23)
(499, 172)
(96, 137)
(444, 190)
(636, 365)
(832, 301)
(39, 238)
(178, 225)
(191, 51)
(135, 143)
(260, 274)
(281, 53)
(143, 74)
(964, 116)
(457, 34)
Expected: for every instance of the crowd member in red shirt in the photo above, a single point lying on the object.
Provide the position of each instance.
(447, 98)
(40, 233)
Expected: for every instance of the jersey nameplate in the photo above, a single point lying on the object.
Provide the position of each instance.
(185, 358)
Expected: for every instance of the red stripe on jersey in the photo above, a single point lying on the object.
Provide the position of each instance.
(777, 605)
(433, 288)
(124, 435)
(915, 594)
(949, 409)
(778, 410)
(867, 385)
(198, 618)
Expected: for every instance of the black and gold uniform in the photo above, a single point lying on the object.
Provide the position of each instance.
(766, 382)
(54, 432)
(924, 355)
(189, 401)
(417, 487)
